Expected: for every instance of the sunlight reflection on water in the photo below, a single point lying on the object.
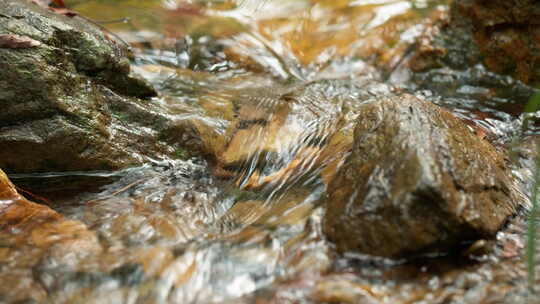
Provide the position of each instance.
(252, 229)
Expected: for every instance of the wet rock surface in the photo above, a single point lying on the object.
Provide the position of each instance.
(418, 180)
(508, 35)
(70, 103)
(30, 234)
(272, 106)
(290, 135)
(502, 35)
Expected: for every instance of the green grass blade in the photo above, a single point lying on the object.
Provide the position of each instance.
(531, 229)
(532, 106)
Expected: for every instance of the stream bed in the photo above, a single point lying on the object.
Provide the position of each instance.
(250, 230)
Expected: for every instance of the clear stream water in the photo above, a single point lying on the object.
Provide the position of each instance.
(177, 231)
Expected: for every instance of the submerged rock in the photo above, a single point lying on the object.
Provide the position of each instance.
(285, 136)
(69, 101)
(31, 233)
(23, 222)
(16, 211)
(417, 181)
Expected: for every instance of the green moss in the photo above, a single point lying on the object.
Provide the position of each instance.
(121, 116)
(181, 154)
(82, 122)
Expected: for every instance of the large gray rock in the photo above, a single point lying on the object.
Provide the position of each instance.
(418, 180)
(69, 102)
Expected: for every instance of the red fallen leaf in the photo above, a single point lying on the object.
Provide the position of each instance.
(17, 42)
(63, 11)
(59, 7)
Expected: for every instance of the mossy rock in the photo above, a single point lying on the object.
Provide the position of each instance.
(70, 102)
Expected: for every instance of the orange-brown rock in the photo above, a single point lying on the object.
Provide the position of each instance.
(30, 233)
(418, 181)
(507, 33)
(18, 212)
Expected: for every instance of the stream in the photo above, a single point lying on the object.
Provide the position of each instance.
(250, 229)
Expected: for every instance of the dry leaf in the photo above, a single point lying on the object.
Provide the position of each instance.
(57, 6)
(17, 42)
(63, 11)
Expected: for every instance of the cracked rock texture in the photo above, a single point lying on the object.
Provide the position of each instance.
(418, 181)
(70, 103)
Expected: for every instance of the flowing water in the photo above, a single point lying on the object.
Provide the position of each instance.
(269, 85)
